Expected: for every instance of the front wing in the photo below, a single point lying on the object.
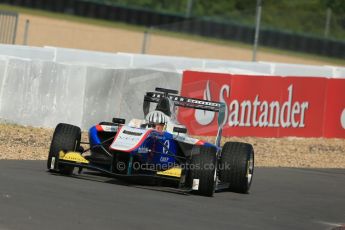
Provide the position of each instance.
(175, 175)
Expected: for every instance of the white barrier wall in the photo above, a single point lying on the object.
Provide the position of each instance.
(45, 86)
(302, 70)
(40, 93)
(90, 58)
(27, 52)
(3, 67)
(178, 64)
(44, 93)
(119, 92)
(339, 72)
(241, 67)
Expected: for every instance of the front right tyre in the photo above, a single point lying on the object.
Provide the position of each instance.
(237, 166)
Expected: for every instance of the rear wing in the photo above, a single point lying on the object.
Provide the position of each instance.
(185, 101)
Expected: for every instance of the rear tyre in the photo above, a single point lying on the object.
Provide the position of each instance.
(237, 166)
(203, 170)
(66, 138)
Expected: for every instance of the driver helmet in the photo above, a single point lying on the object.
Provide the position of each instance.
(163, 113)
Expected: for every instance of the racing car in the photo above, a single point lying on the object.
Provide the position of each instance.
(156, 149)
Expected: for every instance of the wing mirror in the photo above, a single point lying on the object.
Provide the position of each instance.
(179, 130)
(119, 120)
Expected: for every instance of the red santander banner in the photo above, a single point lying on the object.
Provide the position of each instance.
(266, 106)
(334, 115)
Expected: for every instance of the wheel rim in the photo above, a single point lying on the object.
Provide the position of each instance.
(75, 145)
(250, 168)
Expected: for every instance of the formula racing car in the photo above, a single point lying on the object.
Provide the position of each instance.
(156, 150)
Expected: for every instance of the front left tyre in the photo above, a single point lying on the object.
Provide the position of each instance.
(202, 170)
(66, 138)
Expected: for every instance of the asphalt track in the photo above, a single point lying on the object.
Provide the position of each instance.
(32, 198)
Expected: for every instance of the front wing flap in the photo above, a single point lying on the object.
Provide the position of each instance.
(175, 174)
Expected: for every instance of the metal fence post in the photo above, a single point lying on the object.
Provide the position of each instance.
(189, 8)
(257, 28)
(328, 21)
(15, 28)
(143, 47)
(145, 40)
(26, 32)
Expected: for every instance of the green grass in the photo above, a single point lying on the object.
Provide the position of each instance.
(105, 23)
